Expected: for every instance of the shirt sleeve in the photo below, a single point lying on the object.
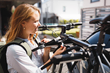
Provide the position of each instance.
(20, 61)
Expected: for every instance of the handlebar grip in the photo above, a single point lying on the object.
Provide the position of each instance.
(46, 65)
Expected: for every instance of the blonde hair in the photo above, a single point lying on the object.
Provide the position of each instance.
(22, 13)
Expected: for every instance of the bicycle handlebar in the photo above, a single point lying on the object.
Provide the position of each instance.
(64, 27)
(53, 42)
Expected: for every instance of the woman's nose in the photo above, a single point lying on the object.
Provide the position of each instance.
(39, 24)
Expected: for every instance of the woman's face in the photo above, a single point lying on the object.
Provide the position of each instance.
(31, 26)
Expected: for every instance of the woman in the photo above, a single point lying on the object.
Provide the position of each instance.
(23, 25)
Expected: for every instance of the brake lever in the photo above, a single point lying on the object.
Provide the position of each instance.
(62, 44)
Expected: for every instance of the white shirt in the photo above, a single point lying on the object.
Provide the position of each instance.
(19, 62)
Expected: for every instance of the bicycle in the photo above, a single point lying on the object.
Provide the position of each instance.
(57, 41)
(90, 53)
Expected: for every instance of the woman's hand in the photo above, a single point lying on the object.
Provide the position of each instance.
(60, 50)
(46, 49)
(45, 40)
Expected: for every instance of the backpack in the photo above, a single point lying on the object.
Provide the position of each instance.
(3, 48)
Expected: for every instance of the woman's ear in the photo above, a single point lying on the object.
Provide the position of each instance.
(23, 24)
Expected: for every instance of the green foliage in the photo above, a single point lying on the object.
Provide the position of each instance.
(76, 20)
(76, 27)
(13, 9)
(72, 32)
(61, 21)
(71, 21)
(65, 21)
(68, 21)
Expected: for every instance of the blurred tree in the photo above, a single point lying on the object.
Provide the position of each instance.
(71, 21)
(61, 21)
(13, 9)
(68, 21)
(76, 20)
(65, 21)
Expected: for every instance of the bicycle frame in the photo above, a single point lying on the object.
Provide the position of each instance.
(96, 51)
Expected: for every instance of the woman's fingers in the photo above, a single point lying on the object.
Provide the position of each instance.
(60, 50)
(64, 49)
(42, 40)
(45, 40)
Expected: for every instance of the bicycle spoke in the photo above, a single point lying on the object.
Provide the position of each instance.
(106, 60)
(61, 66)
(100, 62)
(73, 65)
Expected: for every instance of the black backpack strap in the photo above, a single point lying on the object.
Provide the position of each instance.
(3, 63)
